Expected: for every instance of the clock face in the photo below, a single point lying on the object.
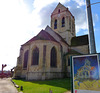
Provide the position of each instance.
(58, 15)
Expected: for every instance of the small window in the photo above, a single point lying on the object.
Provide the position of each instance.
(59, 11)
(63, 22)
(55, 24)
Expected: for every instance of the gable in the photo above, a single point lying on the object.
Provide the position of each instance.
(59, 6)
(62, 9)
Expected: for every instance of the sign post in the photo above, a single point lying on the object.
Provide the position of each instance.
(90, 28)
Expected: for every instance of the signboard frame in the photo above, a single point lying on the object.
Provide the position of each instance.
(93, 66)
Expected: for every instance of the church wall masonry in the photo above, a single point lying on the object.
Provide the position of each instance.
(84, 49)
(37, 70)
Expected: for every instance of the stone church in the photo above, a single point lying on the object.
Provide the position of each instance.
(46, 55)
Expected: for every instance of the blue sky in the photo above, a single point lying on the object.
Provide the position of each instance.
(20, 20)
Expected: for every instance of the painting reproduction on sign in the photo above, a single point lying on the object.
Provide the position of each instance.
(86, 74)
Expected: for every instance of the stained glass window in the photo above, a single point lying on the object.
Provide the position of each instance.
(35, 56)
(25, 59)
(53, 62)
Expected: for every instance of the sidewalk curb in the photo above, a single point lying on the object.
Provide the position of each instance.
(16, 85)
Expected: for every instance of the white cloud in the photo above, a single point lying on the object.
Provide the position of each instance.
(39, 4)
(86, 32)
(95, 17)
(17, 26)
(45, 9)
(80, 2)
(80, 17)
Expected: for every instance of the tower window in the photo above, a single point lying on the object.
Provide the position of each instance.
(59, 11)
(55, 24)
(63, 22)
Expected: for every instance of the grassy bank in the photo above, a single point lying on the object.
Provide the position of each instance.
(57, 86)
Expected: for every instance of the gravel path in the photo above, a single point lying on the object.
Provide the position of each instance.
(6, 86)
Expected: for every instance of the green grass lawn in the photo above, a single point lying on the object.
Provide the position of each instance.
(57, 86)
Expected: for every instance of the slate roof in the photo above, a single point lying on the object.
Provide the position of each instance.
(43, 35)
(80, 40)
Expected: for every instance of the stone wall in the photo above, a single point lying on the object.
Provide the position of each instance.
(67, 31)
(44, 75)
(43, 70)
(84, 49)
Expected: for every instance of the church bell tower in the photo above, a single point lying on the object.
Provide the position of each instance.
(63, 23)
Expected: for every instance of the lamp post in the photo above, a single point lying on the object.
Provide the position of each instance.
(90, 28)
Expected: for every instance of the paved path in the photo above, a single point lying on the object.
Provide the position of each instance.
(6, 86)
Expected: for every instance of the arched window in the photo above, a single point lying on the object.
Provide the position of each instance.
(53, 58)
(35, 56)
(25, 59)
(55, 24)
(63, 22)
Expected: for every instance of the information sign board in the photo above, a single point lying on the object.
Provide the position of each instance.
(85, 74)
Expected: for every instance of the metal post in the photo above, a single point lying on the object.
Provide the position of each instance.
(90, 28)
